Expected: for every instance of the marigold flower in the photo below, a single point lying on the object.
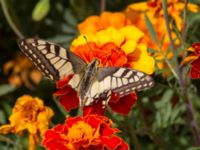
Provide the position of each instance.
(115, 48)
(194, 58)
(29, 114)
(84, 133)
(22, 71)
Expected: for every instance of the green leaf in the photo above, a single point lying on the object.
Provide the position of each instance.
(151, 29)
(193, 148)
(6, 88)
(40, 10)
(165, 99)
(2, 117)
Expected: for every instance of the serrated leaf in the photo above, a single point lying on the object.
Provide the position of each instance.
(40, 10)
(6, 88)
(151, 29)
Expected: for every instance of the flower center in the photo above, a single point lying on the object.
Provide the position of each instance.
(29, 111)
(80, 132)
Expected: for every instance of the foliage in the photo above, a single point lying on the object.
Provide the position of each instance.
(162, 117)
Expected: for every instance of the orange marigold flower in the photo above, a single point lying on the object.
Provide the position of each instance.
(84, 133)
(29, 114)
(22, 71)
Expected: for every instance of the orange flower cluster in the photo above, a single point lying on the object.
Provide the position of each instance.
(84, 133)
(153, 10)
(22, 71)
(29, 114)
(135, 15)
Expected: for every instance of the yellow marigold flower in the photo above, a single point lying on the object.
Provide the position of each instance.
(29, 114)
(115, 47)
(22, 71)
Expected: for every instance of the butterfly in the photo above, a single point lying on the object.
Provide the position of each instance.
(89, 80)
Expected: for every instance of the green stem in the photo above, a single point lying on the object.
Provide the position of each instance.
(143, 113)
(168, 63)
(102, 5)
(7, 140)
(9, 19)
(156, 139)
(180, 79)
(183, 85)
(133, 134)
(60, 107)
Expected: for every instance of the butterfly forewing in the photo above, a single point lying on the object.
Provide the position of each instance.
(52, 60)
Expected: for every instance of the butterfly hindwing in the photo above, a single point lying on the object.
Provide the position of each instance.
(52, 60)
(122, 80)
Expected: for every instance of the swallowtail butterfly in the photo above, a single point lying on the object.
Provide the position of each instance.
(89, 80)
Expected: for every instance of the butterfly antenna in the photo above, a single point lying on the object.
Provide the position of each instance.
(87, 42)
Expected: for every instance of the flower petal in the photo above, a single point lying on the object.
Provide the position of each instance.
(95, 108)
(124, 104)
(70, 100)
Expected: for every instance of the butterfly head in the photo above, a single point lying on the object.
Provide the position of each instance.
(95, 61)
(93, 66)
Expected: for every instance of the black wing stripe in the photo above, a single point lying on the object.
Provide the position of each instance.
(39, 60)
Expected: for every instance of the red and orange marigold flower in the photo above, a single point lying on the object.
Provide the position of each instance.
(29, 114)
(84, 133)
(194, 58)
